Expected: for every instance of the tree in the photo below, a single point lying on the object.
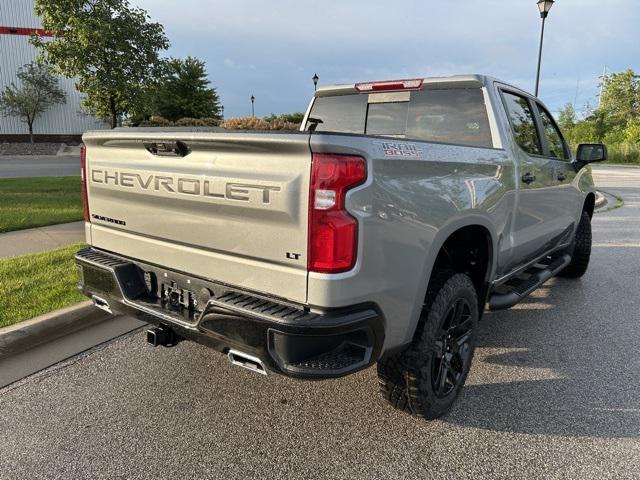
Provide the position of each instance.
(632, 132)
(184, 91)
(567, 118)
(38, 90)
(110, 46)
(620, 100)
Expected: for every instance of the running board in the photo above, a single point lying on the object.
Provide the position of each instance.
(501, 301)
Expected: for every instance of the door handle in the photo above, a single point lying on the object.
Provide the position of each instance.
(562, 177)
(528, 177)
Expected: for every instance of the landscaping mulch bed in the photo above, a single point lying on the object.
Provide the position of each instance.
(29, 148)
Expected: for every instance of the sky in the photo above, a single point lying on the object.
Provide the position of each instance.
(272, 48)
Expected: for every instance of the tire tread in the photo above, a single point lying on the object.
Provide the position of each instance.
(400, 376)
(581, 250)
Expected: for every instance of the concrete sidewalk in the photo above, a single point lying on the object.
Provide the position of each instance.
(40, 239)
(15, 166)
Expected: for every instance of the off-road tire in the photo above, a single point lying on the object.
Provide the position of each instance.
(580, 250)
(407, 379)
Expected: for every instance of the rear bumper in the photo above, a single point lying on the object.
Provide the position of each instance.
(288, 338)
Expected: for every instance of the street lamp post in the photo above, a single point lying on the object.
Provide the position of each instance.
(315, 79)
(253, 101)
(544, 6)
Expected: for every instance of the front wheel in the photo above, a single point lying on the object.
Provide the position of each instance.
(581, 250)
(426, 379)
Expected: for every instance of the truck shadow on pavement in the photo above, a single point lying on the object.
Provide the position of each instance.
(559, 364)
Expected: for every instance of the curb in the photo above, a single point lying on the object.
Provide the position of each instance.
(601, 200)
(616, 165)
(26, 335)
(611, 202)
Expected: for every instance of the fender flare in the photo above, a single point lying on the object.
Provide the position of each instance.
(461, 221)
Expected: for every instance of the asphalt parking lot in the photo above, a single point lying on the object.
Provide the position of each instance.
(554, 393)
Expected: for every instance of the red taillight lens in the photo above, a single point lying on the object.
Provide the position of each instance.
(333, 232)
(83, 175)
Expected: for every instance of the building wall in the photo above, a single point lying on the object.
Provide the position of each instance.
(18, 13)
(15, 51)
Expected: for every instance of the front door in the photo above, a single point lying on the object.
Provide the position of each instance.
(566, 196)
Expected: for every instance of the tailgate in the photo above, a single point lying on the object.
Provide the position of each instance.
(233, 209)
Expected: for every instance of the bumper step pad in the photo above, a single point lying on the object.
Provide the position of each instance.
(343, 357)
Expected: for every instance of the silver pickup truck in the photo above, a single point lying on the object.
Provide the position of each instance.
(377, 233)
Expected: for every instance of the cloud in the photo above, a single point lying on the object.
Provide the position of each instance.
(272, 49)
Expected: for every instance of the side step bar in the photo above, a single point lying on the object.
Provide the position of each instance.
(501, 301)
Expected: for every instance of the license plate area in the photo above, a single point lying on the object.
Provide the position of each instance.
(176, 294)
(175, 297)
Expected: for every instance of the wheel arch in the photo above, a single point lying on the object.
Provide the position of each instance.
(469, 228)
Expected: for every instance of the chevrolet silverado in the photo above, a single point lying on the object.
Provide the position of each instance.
(378, 233)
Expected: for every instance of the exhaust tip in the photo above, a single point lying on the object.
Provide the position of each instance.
(247, 361)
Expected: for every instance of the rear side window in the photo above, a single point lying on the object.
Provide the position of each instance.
(457, 116)
(522, 123)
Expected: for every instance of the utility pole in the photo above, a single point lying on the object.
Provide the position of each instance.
(602, 78)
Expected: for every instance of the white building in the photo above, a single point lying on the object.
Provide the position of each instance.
(59, 123)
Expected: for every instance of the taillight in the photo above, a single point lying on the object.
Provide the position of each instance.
(409, 84)
(333, 232)
(83, 176)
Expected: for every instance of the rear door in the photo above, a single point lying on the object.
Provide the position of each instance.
(233, 209)
(538, 224)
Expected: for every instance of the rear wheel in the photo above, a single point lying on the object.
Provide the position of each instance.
(580, 250)
(426, 379)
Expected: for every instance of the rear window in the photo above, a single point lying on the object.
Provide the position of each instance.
(342, 113)
(457, 116)
(387, 118)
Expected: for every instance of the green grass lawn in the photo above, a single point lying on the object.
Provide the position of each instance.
(39, 201)
(34, 284)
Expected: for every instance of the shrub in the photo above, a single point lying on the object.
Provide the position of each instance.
(295, 117)
(245, 123)
(190, 122)
(254, 123)
(210, 121)
(624, 153)
(155, 121)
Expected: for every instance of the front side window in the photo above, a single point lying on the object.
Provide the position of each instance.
(522, 123)
(552, 135)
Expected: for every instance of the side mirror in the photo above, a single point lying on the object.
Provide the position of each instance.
(591, 152)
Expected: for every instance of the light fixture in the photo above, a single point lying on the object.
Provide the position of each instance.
(545, 6)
